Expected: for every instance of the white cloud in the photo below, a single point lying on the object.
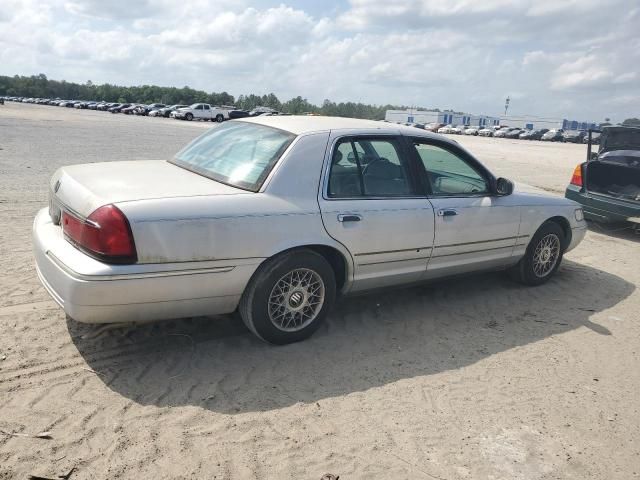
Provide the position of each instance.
(553, 58)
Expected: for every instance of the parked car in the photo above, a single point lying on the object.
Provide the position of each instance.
(130, 109)
(502, 132)
(434, 127)
(524, 134)
(118, 107)
(595, 138)
(276, 216)
(262, 110)
(238, 114)
(486, 132)
(445, 129)
(458, 129)
(471, 131)
(535, 134)
(573, 136)
(607, 185)
(513, 133)
(166, 112)
(553, 136)
(145, 109)
(201, 111)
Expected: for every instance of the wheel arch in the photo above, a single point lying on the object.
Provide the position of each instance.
(564, 224)
(337, 259)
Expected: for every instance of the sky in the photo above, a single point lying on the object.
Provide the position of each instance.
(577, 59)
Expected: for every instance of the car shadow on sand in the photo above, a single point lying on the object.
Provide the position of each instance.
(367, 342)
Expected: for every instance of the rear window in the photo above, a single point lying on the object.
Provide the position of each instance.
(236, 153)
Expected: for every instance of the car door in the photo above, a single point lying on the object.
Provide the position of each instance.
(198, 112)
(475, 229)
(370, 202)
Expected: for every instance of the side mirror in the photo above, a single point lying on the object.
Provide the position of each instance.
(504, 186)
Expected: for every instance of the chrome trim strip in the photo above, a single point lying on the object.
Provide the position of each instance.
(396, 261)
(415, 249)
(481, 241)
(136, 276)
(472, 251)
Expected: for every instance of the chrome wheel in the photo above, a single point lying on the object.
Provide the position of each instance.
(546, 255)
(296, 300)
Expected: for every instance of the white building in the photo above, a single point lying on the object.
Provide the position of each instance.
(532, 122)
(446, 117)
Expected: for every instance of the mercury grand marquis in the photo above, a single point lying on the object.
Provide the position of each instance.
(274, 217)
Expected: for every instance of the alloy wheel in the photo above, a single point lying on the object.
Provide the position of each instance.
(296, 299)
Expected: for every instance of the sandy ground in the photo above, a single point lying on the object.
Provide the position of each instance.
(469, 379)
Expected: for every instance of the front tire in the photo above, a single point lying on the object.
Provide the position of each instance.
(543, 256)
(189, 116)
(289, 297)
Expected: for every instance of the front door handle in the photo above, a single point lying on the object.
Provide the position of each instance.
(447, 212)
(349, 217)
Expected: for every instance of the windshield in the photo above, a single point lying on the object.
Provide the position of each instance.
(236, 153)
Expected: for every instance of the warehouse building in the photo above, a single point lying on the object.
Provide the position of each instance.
(456, 118)
(532, 122)
(446, 117)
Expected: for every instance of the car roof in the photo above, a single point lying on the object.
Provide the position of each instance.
(303, 124)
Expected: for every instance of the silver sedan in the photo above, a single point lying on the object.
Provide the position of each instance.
(276, 216)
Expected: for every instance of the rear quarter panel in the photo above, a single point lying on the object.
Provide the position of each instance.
(283, 215)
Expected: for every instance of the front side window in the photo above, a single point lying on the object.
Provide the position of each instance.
(449, 174)
(368, 167)
(236, 153)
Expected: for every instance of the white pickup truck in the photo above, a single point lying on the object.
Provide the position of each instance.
(201, 111)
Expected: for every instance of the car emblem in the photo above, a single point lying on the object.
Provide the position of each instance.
(56, 187)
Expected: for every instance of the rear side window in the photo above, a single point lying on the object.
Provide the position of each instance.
(368, 167)
(236, 153)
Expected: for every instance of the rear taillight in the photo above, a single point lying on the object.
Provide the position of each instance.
(105, 234)
(576, 179)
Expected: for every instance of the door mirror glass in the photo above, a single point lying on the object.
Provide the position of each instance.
(504, 186)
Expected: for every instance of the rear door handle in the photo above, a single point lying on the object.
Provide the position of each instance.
(349, 217)
(447, 212)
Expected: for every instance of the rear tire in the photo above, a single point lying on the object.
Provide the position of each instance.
(219, 118)
(543, 256)
(289, 297)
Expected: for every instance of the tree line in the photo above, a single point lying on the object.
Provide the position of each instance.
(39, 86)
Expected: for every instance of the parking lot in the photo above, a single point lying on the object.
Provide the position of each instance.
(468, 379)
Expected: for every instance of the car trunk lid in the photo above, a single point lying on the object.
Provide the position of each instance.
(84, 188)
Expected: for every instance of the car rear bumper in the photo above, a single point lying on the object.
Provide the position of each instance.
(603, 208)
(93, 292)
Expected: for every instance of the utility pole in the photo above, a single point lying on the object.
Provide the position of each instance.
(506, 106)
